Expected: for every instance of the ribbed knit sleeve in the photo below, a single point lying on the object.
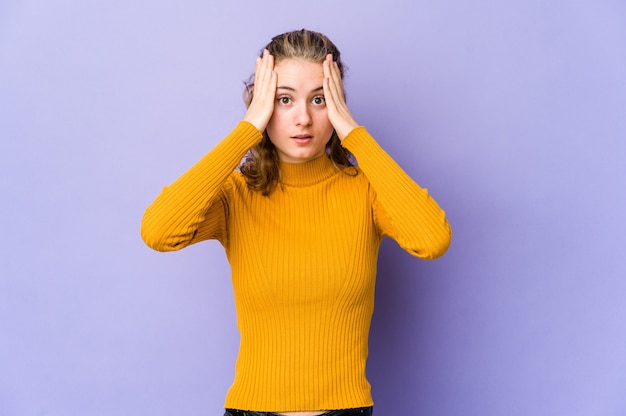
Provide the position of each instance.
(173, 220)
(404, 211)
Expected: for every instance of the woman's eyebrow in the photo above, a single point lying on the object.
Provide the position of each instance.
(320, 88)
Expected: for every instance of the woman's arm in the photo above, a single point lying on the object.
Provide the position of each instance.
(404, 211)
(173, 219)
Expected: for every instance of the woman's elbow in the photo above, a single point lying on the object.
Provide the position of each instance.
(441, 242)
(157, 237)
(440, 246)
(435, 245)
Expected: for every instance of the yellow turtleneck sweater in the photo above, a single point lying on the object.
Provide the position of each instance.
(303, 263)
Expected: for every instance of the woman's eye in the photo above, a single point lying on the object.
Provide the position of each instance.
(284, 100)
(319, 100)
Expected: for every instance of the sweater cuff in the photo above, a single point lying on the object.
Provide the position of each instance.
(247, 129)
(360, 142)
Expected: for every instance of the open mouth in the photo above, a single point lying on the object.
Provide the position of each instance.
(302, 138)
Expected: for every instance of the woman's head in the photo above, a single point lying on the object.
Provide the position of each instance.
(301, 47)
(302, 44)
(306, 45)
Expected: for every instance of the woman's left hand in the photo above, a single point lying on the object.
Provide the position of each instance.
(338, 112)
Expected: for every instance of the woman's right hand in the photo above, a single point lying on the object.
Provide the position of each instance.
(264, 93)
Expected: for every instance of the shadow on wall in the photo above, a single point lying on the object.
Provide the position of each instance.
(398, 348)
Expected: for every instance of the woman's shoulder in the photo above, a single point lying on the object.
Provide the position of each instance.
(235, 182)
(351, 179)
(352, 174)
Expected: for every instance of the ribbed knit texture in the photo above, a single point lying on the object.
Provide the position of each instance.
(303, 263)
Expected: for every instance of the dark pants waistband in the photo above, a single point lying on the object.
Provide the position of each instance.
(361, 411)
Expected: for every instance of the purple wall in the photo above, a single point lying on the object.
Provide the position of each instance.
(511, 113)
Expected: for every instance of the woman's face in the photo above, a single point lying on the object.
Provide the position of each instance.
(299, 127)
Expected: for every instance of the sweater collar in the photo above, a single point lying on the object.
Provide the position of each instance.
(307, 173)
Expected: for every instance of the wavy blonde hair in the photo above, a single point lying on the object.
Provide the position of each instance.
(261, 165)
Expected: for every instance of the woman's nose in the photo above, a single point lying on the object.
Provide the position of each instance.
(303, 117)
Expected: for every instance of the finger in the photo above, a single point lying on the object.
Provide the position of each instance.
(261, 69)
(266, 70)
(326, 66)
(334, 77)
(329, 83)
(263, 76)
(329, 93)
(337, 83)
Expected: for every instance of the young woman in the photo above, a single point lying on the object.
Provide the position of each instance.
(301, 227)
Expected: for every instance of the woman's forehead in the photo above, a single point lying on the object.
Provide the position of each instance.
(297, 72)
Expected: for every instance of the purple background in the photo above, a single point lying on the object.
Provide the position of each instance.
(512, 113)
